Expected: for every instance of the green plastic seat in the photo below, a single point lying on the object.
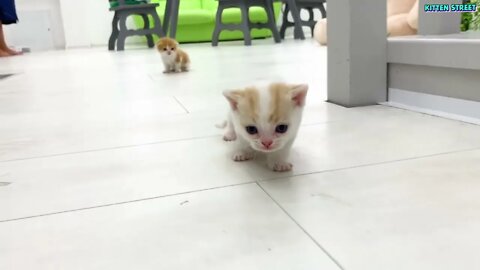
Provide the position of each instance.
(196, 20)
(114, 4)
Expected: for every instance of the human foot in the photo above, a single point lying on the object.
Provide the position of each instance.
(5, 52)
(12, 52)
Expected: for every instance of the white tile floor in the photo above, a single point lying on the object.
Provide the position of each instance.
(106, 163)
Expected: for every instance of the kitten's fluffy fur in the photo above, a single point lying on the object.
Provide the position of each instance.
(265, 119)
(174, 59)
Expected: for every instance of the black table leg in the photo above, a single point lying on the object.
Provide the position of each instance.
(166, 16)
(298, 32)
(174, 17)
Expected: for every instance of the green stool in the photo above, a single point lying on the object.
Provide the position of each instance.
(245, 25)
(125, 8)
(308, 5)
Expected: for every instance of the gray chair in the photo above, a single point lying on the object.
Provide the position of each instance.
(308, 5)
(120, 32)
(245, 25)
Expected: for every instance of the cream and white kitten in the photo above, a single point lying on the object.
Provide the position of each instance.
(174, 59)
(265, 119)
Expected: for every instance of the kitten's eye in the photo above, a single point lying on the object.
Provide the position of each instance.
(173, 49)
(164, 49)
(281, 128)
(251, 130)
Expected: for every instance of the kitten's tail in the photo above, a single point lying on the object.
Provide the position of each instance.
(222, 125)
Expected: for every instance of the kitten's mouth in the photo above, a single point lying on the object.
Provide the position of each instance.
(266, 150)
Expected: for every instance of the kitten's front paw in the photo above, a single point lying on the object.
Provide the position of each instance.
(281, 166)
(242, 156)
(229, 136)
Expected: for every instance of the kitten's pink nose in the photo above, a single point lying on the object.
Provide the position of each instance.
(267, 143)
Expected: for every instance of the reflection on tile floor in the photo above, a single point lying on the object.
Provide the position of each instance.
(4, 76)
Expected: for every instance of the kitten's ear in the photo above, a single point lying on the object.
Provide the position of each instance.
(232, 97)
(299, 94)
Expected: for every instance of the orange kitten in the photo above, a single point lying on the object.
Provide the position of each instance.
(174, 59)
(265, 119)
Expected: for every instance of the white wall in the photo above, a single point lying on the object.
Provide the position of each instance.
(34, 35)
(75, 18)
(88, 24)
(83, 32)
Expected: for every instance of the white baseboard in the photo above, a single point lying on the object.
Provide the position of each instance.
(452, 108)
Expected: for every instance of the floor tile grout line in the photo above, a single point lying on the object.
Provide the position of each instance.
(370, 164)
(300, 226)
(258, 182)
(126, 146)
(150, 143)
(181, 104)
(192, 138)
(109, 148)
(125, 202)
